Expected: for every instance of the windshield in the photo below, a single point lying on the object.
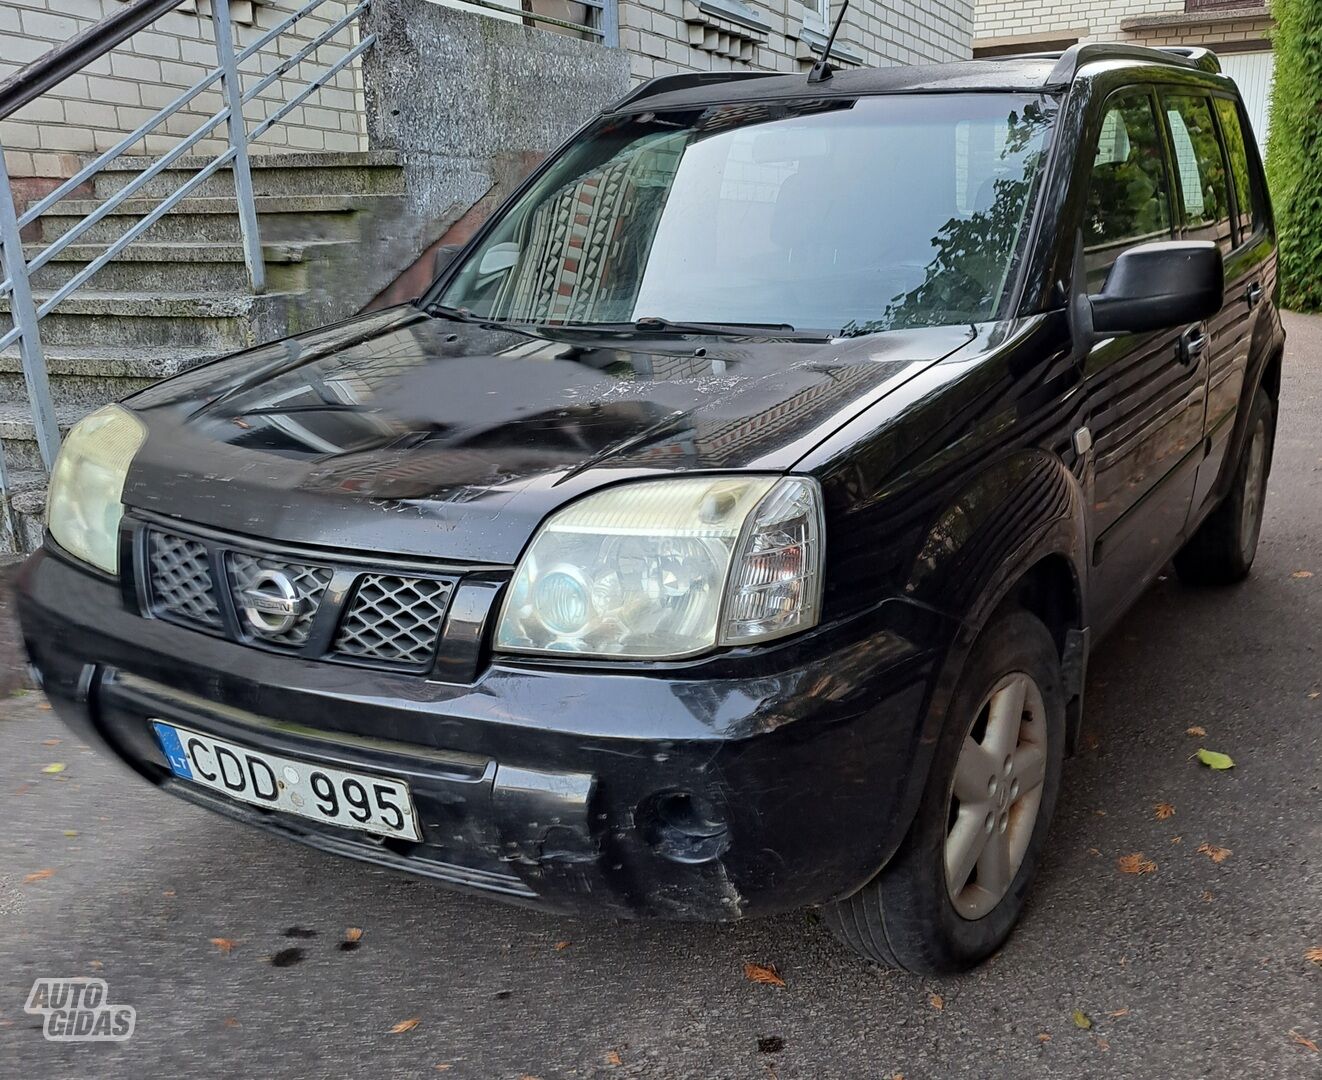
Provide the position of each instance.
(845, 217)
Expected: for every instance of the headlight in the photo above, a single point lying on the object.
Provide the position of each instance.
(82, 505)
(669, 568)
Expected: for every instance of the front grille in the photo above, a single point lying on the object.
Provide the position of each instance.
(389, 620)
(309, 583)
(181, 585)
(394, 618)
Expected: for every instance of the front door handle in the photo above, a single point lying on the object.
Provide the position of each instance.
(1253, 294)
(1193, 343)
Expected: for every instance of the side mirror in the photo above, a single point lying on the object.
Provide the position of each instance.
(443, 258)
(1160, 286)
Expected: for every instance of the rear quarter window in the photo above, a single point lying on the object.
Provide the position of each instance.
(1200, 169)
(1247, 217)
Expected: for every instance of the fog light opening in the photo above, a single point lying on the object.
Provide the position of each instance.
(685, 828)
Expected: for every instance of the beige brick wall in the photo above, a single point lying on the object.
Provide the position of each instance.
(668, 36)
(92, 110)
(1101, 21)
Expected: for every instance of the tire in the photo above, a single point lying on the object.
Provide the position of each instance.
(908, 916)
(1221, 551)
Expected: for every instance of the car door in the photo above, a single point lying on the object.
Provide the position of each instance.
(1144, 392)
(1225, 209)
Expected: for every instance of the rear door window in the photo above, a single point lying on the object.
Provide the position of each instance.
(1128, 199)
(1200, 168)
(1237, 152)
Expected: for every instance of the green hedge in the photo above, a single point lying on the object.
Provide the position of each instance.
(1294, 150)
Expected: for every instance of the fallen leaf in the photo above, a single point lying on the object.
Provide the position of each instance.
(1163, 810)
(767, 975)
(38, 875)
(1300, 1040)
(54, 767)
(70, 833)
(1081, 1020)
(353, 933)
(167, 892)
(1314, 954)
(1044, 1036)
(1136, 863)
(44, 706)
(1301, 574)
(1195, 731)
(1094, 852)
(50, 742)
(1214, 760)
(1217, 854)
(405, 1025)
(1313, 695)
(613, 1058)
(1177, 839)
(1208, 896)
(561, 946)
(936, 1001)
(223, 944)
(1102, 1044)
(1118, 1013)
(231, 1021)
(444, 1066)
(96, 965)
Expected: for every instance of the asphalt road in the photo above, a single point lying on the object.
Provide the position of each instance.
(1197, 969)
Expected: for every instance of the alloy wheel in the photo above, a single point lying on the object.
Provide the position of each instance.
(996, 795)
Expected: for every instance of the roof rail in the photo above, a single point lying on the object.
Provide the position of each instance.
(1203, 58)
(1076, 56)
(663, 84)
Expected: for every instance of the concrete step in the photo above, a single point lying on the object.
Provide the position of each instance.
(18, 434)
(144, 268)
(306, 173)
(89, 377)
(193, 322)
(216, 219)
(27, 501)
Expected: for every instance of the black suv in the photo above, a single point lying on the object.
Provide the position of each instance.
(726, 529)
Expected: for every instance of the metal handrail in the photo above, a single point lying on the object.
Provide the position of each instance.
(65, 60)
(75, 54)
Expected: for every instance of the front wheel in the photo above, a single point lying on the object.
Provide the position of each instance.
(955, 889)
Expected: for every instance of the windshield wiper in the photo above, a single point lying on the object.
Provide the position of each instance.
(656, 324)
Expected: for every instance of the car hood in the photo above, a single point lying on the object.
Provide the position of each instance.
(403, 432)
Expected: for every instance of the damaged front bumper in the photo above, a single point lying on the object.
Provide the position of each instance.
(710, 790)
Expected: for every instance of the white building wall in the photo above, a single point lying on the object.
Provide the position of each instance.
(93, 109)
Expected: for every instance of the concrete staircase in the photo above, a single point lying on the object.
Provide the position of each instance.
(335, 230)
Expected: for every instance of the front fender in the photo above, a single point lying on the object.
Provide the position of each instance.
(1021, 512)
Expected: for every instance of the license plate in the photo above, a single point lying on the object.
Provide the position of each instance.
(374, 804)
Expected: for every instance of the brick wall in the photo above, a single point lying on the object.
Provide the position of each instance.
(93, 109)
(667, 36)
(1099, 19)
(1001, 20)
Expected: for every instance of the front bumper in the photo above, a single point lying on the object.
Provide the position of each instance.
(701, 791)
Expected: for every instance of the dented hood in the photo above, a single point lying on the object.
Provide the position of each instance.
(417, 435)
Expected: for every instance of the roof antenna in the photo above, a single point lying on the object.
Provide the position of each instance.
(821, 71)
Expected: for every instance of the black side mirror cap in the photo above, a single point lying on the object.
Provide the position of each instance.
(444, 256)
(1160, 286)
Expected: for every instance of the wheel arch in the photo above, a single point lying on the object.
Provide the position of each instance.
(1025, 546)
